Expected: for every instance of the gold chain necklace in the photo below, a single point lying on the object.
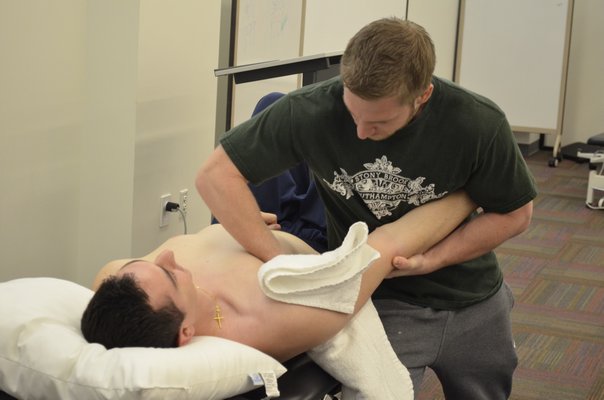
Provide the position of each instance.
(217, 311)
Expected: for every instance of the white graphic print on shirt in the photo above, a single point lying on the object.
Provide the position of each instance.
(382, 188)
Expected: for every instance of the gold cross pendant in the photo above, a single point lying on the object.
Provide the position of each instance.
(218, 316)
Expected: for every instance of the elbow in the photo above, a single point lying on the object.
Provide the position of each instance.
(523, 217)
(207, 183)
(201, 180)
(216, 176)
(208, 173)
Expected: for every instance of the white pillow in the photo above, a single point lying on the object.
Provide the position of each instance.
(43, 354)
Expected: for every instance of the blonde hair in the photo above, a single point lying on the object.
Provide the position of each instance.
(389, 57)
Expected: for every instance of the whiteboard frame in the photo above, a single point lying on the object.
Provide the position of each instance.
(564, 57)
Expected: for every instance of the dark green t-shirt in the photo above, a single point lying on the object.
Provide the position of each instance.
(459, 140)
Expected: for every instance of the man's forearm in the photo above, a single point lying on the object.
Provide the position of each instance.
(469, 241)
(228, 196)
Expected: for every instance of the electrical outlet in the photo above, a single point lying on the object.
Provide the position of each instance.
(163, 214)
(184, 197)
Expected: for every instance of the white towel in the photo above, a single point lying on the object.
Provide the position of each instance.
(362, 359)
(330, 280)
(360, 355)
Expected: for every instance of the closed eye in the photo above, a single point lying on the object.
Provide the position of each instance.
(170, 276)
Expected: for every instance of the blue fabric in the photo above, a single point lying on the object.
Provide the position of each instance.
(293, 197)
(266, 101)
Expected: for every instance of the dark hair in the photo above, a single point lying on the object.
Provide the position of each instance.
(119, 315)
(389, 57)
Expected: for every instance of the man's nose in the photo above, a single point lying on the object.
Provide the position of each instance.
(166, 258)
(364, 131)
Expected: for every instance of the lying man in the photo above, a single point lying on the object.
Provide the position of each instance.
(207, 284)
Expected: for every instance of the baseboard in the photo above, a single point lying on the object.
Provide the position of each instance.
(528, 149)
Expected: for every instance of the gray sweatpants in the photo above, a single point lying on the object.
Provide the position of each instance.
(471, 350)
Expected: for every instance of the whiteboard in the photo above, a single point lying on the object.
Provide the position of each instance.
(266, 30)
(515, 53)
(329, 25)
(440, 19)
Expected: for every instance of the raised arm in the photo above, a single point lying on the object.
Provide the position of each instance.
(477, 237)
(225, 191)
(423, 227)
(414, 233)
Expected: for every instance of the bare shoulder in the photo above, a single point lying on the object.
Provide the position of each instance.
(213, 239)
(294, 244)
(217, 235)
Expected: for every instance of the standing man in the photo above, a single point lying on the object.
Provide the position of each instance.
(383, 138)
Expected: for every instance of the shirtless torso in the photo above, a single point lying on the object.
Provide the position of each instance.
(220, 266)
(227, 276)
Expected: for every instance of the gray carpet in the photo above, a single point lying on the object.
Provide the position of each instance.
(556, 271)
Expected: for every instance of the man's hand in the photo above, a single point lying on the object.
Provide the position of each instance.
(414, 265)
(270, 220)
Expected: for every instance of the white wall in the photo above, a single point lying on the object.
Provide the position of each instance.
(42, 81)
(106, 167)
(105, 105)
(175, 112)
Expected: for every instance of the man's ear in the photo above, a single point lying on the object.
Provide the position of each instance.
(424, 97)
(185, 334)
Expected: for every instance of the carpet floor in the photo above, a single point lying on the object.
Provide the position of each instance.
(556, 271)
